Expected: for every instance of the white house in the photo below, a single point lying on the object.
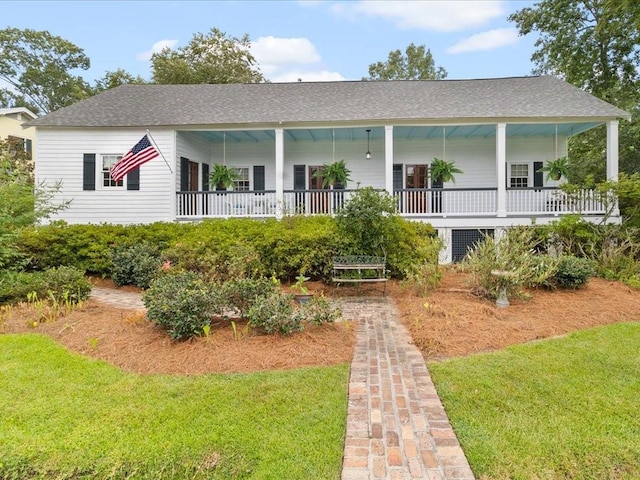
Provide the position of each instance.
(498, 131)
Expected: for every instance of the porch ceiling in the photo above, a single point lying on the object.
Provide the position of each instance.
(402, 132)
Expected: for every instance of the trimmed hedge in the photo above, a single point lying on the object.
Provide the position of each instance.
(220, 249)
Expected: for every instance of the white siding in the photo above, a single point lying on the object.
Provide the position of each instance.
(59, 158)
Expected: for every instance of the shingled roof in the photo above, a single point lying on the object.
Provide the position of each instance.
(544, 97)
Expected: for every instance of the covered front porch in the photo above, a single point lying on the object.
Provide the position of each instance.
(279, 169)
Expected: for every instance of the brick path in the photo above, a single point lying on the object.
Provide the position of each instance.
(396, 426)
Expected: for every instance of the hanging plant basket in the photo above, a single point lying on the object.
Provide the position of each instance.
(223, 176)
(443, 170)
(333, 174)
(556, 169)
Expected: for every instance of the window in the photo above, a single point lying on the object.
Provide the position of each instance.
(519, 177)
(417, 176)
(19, 147)
(109, 161)
(241, 184)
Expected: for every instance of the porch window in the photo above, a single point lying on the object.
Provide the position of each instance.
(109, 161)
(519, 177)
(241, 184)
(417, 176)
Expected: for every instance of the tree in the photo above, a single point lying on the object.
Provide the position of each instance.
(211, 58)
(115, 79)
(36, 66)
(594, 45)
(21, 202)
(416, 64)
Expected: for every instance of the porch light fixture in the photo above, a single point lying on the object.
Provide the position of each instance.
(368, 154)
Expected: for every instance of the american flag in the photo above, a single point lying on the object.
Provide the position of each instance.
(141, 153)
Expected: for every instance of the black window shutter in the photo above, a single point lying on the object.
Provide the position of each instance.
(258, 178)
(133, 179)
(205, 177)
(299, 177)
(397, 176)
(184, 174)
(538, 177)
(89, 171)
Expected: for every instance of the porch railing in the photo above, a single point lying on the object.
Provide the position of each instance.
(226, 204)
(536, 201)
(410, 202)
(440, 202)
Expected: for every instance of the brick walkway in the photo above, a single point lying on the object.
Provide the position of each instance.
(396, 426)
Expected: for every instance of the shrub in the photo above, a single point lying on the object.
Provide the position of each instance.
(135, 264)
(242, 293)
(66, 283)
(573, 272)
(318, 311)
(62, 283)
(181, 303)
(365, 221)
(514, 253)
(274, 314)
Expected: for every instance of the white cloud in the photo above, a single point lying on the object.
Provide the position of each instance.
(320, 76)
(488, 40)
(156, 48)
(281, 51)
(280, 60)
(435, 15)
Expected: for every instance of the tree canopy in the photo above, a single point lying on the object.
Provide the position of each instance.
(210, 58)
(116, 78)
(37, 67)
(415, 64)
(594, 45)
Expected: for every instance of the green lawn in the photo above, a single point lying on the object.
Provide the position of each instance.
(567, 408)
(66, 416)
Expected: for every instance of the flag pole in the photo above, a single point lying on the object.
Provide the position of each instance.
(158, 149)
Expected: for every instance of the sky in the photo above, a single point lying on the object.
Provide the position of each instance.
(291, 40)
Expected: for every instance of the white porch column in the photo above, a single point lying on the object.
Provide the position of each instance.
(279, 171)
(388, 158)
(501, 168)
(612, 150)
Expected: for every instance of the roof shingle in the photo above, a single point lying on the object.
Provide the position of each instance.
(318, 102)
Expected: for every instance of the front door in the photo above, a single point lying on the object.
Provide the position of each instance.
(319, 201)
(416, 179)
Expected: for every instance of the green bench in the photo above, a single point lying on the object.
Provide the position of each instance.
(359, 269)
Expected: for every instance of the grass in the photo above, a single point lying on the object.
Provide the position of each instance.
(65, 416)
(566, 408)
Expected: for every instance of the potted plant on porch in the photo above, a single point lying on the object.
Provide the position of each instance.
(223, 176)
(443, 170)
(556, 169)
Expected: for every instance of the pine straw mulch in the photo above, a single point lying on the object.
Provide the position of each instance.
(449, 321)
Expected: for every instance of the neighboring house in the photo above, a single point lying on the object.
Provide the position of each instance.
(11, 128)
(498, 131)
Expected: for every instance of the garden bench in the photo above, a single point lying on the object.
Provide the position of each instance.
(359, 269)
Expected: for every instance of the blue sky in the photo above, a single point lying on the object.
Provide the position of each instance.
(311, 40)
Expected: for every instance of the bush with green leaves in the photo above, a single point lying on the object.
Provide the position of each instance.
(135, 264)
(242, 293)
(274, 313)
(512, 253)
(62, 283)
(573, 272)
(181, 303)
(366, 220)
(319, 311)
